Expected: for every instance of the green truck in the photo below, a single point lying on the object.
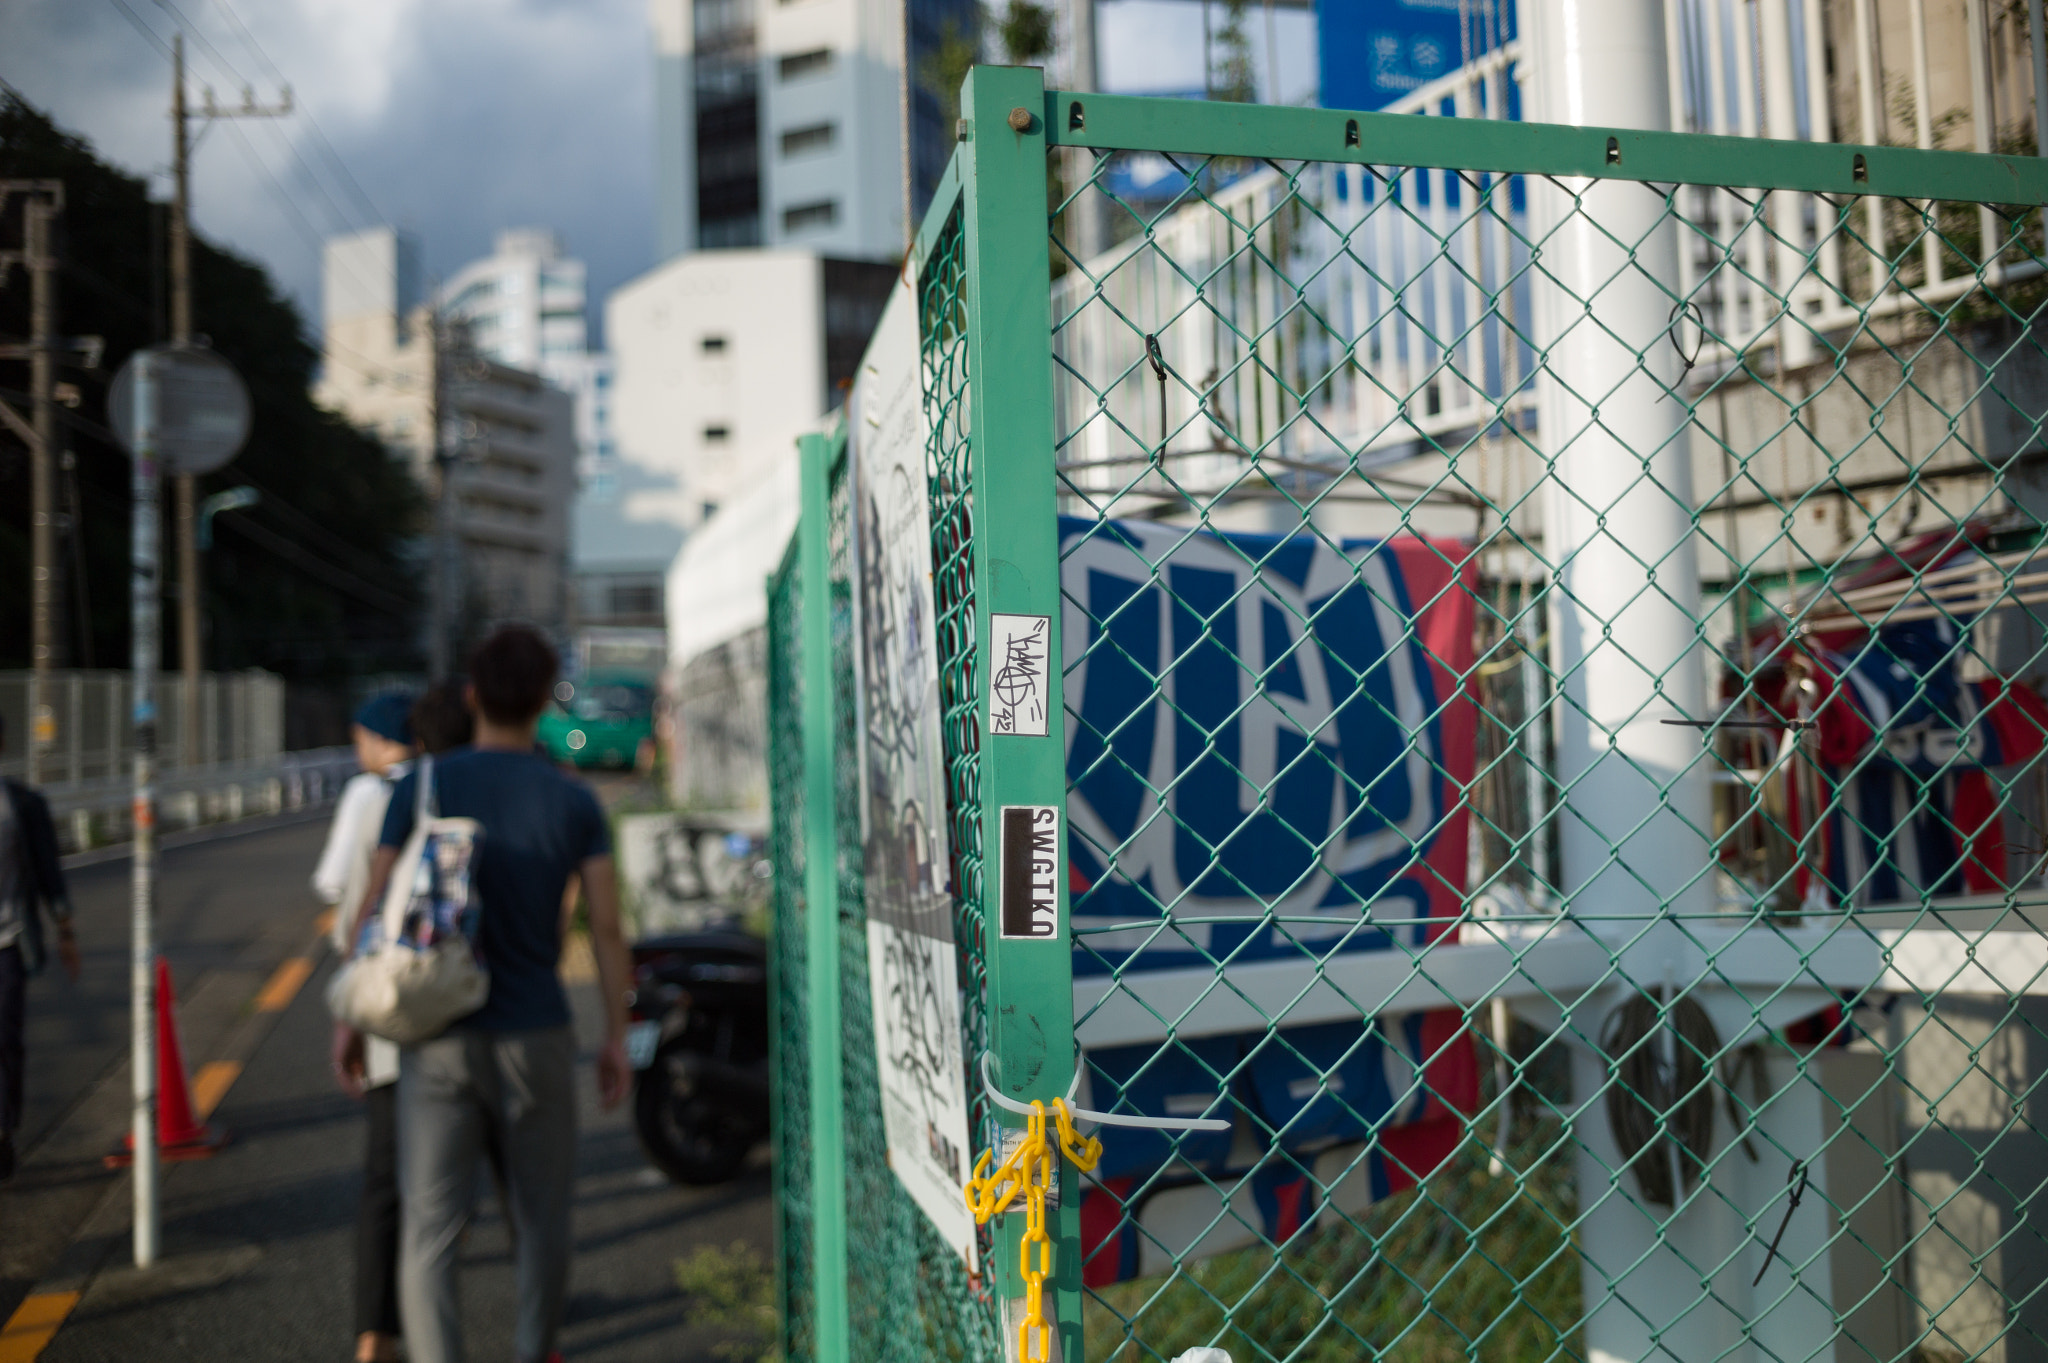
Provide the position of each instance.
(604, 719)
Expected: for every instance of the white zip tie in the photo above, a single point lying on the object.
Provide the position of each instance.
(1082, 1114)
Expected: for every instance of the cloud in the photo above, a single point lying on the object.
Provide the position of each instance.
(457, 118)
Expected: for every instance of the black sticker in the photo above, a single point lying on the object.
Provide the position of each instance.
(1031, 864)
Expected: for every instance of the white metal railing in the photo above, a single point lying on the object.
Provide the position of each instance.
(1810, 263)
(1399, 311)
(86, 718)
(1372, 293)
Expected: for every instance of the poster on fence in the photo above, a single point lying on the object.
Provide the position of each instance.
(1267, 744)
(912, 968)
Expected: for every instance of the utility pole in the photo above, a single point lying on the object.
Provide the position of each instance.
(186, 486)
(42, 207)
(41, 219)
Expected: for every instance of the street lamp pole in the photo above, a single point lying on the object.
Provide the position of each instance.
(145, 612)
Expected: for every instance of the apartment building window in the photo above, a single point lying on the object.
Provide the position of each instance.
(636, 598)
(727, 125)
(714, 345)
(809, 217)
(716, 435)
(803, 141)
(797, 65)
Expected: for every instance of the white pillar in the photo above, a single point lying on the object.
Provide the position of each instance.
(1620, 530)
(1635, 813)
(1619, 536)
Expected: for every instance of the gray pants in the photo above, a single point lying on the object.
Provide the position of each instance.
(455, 1093)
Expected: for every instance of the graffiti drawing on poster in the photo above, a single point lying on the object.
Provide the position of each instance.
(906, 850)
(1019, 674)
(1268, 738)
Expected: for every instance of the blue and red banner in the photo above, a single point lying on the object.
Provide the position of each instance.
(1268, 744)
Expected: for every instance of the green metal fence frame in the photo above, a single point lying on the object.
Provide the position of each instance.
(817, 454)
(996, 184)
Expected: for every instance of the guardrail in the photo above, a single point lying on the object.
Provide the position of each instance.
(96, 812)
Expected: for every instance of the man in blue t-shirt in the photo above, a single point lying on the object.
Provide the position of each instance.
(504, 1076)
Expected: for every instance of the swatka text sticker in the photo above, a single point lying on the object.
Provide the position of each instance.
(1020, 656)
(1031, 862)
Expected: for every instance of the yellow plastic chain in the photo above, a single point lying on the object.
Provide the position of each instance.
(1029, 1170)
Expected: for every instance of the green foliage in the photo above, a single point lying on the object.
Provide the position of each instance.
(1470, 1265)
(732, 1293)
(1026, 32)
(317, 581)
(941, 74)
(1231, 75)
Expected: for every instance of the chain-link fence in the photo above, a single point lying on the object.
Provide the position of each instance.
(1545, 664)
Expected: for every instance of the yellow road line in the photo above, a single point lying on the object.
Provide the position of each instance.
(324, 924)
(283, 986)
(29, 1331)
(211, 1085)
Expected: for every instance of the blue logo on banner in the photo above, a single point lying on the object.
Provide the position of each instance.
(1373, 52)
(1196, 681)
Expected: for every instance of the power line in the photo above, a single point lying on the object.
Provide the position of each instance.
(312, 234)
(162, 47)
(333, 574)
(227, 68)
(384, 593)
(363, 200)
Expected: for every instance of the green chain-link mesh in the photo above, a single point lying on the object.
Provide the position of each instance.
(1318, 360)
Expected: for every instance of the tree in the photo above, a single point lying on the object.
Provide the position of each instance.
(1232, 76)
(318, 582)
(1024, 31)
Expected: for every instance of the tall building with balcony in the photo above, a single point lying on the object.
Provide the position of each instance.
(512, 433)
(525, 305)
(786, 124)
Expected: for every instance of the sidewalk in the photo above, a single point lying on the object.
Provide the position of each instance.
(259, 1242)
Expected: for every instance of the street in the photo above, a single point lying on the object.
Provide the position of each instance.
(259, 1241)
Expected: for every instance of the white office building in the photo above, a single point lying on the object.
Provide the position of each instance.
(725, 358)
(785, 124)
(722, 359)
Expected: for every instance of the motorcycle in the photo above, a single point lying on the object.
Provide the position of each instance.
(698, 1041)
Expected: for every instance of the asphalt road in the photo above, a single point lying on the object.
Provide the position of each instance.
(259, 1241)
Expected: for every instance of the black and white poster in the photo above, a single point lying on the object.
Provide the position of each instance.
(907, 858)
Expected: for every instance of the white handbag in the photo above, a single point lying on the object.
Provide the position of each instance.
(416, 972)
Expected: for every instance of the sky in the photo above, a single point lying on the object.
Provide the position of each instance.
(452, 119)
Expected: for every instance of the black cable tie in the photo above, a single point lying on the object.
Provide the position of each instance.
(1795, 1178)
(1158, 363)
(1685, 309)
(1740, 723)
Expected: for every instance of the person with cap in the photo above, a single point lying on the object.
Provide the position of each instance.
(384, 749)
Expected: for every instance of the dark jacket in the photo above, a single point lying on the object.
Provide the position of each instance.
(43, 878)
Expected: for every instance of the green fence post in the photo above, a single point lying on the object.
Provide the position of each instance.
(1017, 573)
(821, 907)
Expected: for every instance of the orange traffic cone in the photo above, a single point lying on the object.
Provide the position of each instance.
(180, 1135)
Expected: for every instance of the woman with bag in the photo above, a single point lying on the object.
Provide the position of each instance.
(476, 853)
(383, 740)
